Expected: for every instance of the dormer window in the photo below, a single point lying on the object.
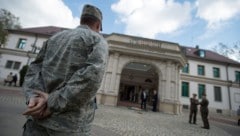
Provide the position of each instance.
(21, 43)
(201, 53)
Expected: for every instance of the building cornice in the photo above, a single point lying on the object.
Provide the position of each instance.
(206, 80)
(212, 61)
(149, 49)
(17, 52)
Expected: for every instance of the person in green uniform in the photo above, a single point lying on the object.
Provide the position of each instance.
(204, 111)
(193, 109)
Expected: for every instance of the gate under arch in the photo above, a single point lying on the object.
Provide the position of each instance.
(136, 77)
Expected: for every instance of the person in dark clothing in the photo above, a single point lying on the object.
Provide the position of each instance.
(193, 109)
(95, 103)
(15, 78)
(144, 100)
(154, 100)
(204, 111)
(238, 114)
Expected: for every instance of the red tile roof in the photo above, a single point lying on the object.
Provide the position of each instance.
(192, 52)
(46, 30)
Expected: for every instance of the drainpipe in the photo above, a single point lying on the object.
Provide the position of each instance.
(228, 86)
(34, 47)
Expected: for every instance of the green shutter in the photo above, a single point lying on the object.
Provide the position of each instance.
(186, 69)
(185, 89)
(216, 72)
(237, 73)
(201, 70)
(201, 90)
(217, 94)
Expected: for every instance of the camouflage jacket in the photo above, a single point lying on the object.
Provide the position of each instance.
(70, 68)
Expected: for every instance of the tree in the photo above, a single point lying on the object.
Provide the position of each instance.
(7, 21)
(232, 51)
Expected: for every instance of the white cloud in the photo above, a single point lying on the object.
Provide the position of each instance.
(150, 17)
(34, 13)
(217, 11)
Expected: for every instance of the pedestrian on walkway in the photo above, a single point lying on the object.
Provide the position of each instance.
(61, 84)
(238, 114)
(204, 111)
(15, 79)
(193, 109)
(154, 100)
(144, 99)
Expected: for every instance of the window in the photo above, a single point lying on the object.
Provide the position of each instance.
(16, 65)
(216, 72)
(201, 90)
(186, 68)
(21, 43)
(13, 65)
(185, 89)
(9, 64)
(201, 53)
(217, 94)
(237, 74)
(201, 70)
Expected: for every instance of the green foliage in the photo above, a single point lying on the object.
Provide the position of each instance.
(7, 21)
(23, 72)
(3, 34)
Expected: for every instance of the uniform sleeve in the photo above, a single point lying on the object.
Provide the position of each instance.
(83, 84)
(33, 79)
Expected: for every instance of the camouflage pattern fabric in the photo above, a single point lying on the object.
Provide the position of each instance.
(70, 69)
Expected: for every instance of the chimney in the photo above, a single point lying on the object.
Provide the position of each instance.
(197, 46)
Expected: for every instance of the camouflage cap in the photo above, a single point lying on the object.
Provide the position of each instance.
(89, 10)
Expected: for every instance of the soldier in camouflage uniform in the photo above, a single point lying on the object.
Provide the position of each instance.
(204, 111)
(61, 84)
(193, 109)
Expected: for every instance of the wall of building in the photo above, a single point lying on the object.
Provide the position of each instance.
(235, 98)
(193, 69)
(13, 40)
(227, 73)
(166, 67)
(5, 71)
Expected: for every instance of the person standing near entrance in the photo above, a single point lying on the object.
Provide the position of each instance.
(193, 109)
(144, 99)
(15, 79)
(61, 84)
(204, 111)
(238, 115)
(154, 100)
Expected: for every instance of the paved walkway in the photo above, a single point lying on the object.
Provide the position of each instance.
(122, 121)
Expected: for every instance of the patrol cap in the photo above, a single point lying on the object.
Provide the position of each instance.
(194, 94)
(92, 11)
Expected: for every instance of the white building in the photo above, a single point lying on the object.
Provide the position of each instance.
(137, 63)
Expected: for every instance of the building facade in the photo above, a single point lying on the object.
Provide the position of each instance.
(136, 64)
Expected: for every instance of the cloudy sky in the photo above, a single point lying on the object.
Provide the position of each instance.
(187, 22)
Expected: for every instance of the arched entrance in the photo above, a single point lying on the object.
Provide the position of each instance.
(136, 77)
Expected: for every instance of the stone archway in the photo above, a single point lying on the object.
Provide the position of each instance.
(135, 77)
(165, 57)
